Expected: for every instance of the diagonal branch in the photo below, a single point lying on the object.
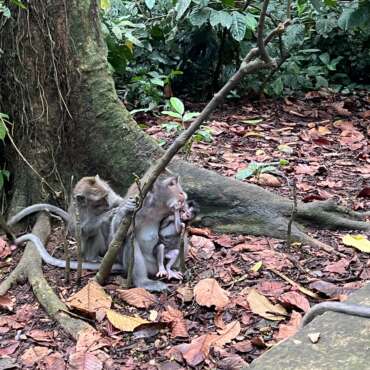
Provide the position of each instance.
(260, 30)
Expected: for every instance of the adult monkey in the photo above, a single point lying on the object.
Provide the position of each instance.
(166, 197)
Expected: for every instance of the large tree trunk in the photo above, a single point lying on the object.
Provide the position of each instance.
(56, 85)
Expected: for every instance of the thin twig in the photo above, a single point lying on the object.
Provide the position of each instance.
(293, 214)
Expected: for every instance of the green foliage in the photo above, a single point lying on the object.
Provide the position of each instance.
(254, 169)
(162, 47)
(177, 111)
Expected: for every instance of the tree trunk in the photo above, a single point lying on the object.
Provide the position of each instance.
(68, 121)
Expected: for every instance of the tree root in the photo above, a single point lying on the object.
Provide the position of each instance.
(29, 268)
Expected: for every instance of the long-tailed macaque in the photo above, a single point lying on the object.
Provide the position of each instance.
(170, 234)
(165, 198)
(96, 202)
(341, 307)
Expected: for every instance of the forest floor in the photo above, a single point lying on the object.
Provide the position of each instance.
(263, 286)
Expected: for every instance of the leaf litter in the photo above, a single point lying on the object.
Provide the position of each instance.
(237, 285)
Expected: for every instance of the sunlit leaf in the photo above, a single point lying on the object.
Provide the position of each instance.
(357, 241)
(177, 105)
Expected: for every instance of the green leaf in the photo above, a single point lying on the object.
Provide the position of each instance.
(294, 36)
(181, 7)
(220, 17)
(283, 162)
(229, 3)
(157, 81)
(200, 17)
(345, 18)
(177, 105)
(278, 86)
(171, 126)
(321, 82)
(189, 116)
(317, 4)
(105, 4)
(251, 21)
(330, 3)
(2, 131)
(325, 58)
(150, 4)
(18, 3)
(172, 114)
(238, 26)
(243, 174)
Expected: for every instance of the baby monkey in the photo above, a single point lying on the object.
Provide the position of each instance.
(170, 234)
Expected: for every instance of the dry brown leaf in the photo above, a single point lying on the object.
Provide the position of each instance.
(227, 334)
(138, 297)
(209, 293)
(266, 179)
(6, 302)
(295, 299)
(9, 349)
(41, 335)
(290, 328)
(186, 293)
(296, 285)
(123, 322)
(177, 321)
(33, 355)
(84, 360)
(260, 305)
(244, 346)
(54, 361)
(88, 339)
(90, 299)
(197, 351)
(219, 321)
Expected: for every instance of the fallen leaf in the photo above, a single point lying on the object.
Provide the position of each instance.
(123, 322)
(208, 293)
(33, 355)
(197, 351)
(219, 320)
(90, 299)
(53, 361)
(266, 179)
(85, 360)
(290, 328)
(138, 297)
(357, 241)
(186, 293)
(177, 321)
(304, 169)
(329, 289)
(244, 346)
(296, 300)
(6, 303)
(227, 334)
(339, 267)
(256, 266)
(270, 287)
(232, 362)
(41, 335)
(314, 337)
(9, 349)
(261, 306)
(204, 246)
(339, 108)
(285, 149)
(294, 284)
(224, 241)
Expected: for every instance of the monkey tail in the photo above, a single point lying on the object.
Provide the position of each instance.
(39, 207)
(47, 258)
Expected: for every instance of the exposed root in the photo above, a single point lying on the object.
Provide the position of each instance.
(29, 268)
(329, 214)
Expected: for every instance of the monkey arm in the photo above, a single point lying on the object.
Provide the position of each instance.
(39, 207)
(47, 258)
(341, 307)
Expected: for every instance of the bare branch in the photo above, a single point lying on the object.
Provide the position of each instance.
(260, 30)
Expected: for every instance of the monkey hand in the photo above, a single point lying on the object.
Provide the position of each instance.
(162, 272)
(174, 275)
(130, 204)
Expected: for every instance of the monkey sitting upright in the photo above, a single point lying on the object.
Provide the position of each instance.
(170, 235)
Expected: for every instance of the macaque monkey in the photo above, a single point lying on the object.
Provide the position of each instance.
(166, 197)
(96, 202)
(341, 307)
(170, 235)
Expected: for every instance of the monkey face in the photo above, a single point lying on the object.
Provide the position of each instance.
(171, 192)
(189, 211)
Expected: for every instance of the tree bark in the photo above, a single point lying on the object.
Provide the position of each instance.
(81, 128)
